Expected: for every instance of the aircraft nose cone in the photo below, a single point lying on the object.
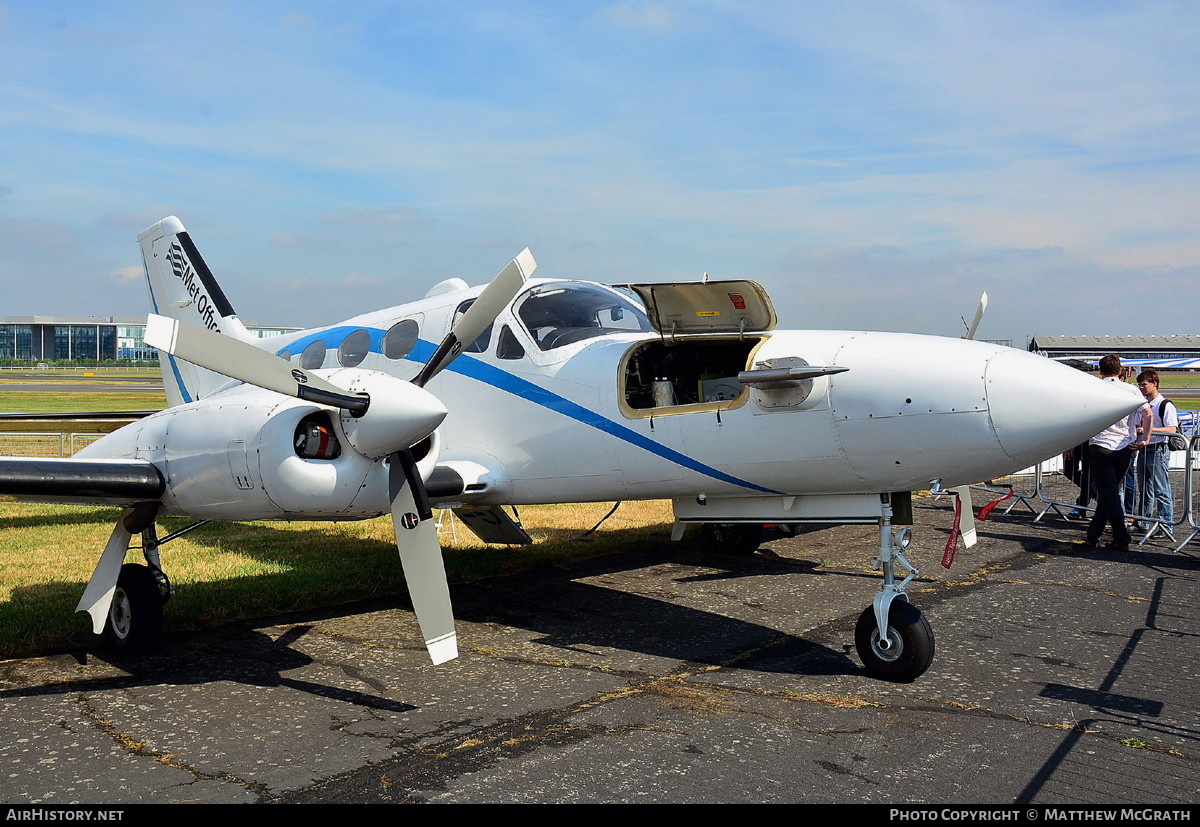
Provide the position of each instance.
(1040, 408)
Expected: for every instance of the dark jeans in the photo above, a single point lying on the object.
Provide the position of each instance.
(1077, 467)
(1108, 475)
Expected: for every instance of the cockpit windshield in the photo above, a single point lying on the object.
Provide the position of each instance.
(561, 313)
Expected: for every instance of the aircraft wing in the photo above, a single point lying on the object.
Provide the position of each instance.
(68, 415)
(99, 481)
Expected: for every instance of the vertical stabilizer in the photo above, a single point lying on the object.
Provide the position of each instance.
(182, 287)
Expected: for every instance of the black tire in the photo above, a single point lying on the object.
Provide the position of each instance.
(733, 538)
(912, 643)
(135, 618)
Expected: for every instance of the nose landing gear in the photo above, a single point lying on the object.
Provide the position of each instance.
(893, 639)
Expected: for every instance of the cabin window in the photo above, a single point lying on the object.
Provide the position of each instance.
(354, 349)
(560, 314)
(508, 346)
(481, 342)
(313, 356)
(400, 339)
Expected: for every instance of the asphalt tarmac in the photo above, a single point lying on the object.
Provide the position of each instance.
(1063, 675)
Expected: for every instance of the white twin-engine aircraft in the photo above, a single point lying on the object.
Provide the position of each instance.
(548, 391)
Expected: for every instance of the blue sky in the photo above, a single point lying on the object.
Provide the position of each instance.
(875, 165)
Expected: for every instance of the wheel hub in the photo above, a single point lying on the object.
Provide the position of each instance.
(120, 614)
(889, 649)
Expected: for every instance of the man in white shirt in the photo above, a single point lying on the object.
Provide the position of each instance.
(1110, 452)
(1152, 462)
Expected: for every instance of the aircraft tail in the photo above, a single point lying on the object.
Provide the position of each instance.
(182, 287)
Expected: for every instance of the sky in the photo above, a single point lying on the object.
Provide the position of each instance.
(875, 165)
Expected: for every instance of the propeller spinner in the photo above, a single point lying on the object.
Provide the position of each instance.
(382, 416)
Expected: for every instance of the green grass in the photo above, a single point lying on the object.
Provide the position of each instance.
(231, 571)
(48, 402)
(10, 373)
(1177, 379)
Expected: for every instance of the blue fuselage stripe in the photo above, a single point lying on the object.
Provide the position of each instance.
(473, 368)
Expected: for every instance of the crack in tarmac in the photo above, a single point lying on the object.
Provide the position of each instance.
(136, 747)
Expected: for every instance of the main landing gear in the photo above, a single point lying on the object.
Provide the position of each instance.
(732, 538)
(132, 620)
(135, 617)
(893, 639)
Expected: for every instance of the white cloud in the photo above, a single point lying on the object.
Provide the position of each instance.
(632, 140)
(128, 275)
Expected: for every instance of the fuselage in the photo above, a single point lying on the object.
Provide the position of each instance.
(582, 401)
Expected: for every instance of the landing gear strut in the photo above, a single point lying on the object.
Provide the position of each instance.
(893, 638)
(135, 617)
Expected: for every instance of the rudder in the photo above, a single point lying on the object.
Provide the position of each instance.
(182, 287)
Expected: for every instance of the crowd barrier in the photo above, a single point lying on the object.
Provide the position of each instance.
(1046, 488)
(48, 444)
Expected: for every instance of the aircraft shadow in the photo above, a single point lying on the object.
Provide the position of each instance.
(565, 614)
(246, 657)
(596, 618)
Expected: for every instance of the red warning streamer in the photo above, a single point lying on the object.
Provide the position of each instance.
(986, 511)
(952, 541)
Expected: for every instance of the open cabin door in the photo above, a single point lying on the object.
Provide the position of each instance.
(680, 308)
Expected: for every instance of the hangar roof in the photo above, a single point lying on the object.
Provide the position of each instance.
(1183, 341)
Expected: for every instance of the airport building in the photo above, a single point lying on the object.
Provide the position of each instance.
(97, 338)
(1184, 346)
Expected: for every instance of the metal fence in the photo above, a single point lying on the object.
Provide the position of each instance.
(44, 444)
(1045, 491)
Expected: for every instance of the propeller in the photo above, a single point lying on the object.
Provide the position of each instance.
(966, 516)
(977, 318)
(382, 416)
(482, 312)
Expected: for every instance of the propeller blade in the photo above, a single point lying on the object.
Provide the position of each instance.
(482, 312)
(979, 310)
(421, 558)
(247, 363)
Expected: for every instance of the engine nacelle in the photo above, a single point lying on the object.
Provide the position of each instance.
(282, 458)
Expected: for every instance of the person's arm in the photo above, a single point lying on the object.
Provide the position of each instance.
(1146, 428)
(1170, 419)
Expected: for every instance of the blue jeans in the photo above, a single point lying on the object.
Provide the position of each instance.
(1154, 485)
